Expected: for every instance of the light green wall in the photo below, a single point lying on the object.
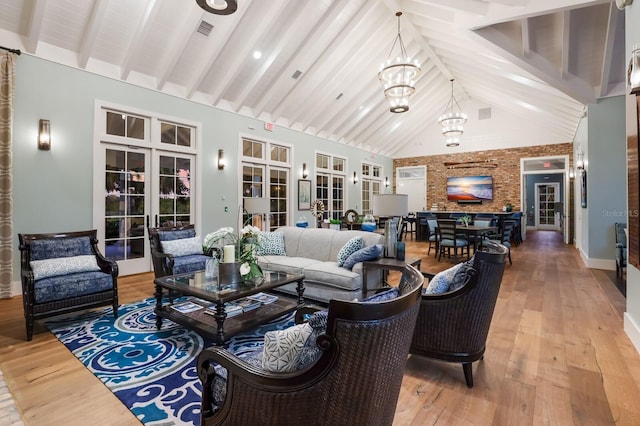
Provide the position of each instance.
(606, 156)
(53, 190)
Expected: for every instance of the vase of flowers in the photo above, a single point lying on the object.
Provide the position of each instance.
(245, 244)
(465, 220)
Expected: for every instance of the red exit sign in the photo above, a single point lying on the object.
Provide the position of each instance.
(269, 126)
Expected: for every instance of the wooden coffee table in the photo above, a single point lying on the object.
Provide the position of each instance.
(218, 327)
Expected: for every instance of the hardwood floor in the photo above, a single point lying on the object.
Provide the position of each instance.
(556, 354)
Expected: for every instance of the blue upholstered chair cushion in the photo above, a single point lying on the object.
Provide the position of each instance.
(383, 296)
(351, 246)
(176, 235)
(182, 246)
(366, 253)
(59, 247)
(190, 263)
(63, 265)
(457, 243)
(310, 352)
(71, 285)
(271, 244)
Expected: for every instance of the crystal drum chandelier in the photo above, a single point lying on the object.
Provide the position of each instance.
(452, 121)
(398, 76)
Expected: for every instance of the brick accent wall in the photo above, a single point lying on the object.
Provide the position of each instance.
(506, 177)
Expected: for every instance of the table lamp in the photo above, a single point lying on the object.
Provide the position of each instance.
(257, 206)
(390, 205)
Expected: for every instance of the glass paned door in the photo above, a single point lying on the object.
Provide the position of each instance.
(173, 202)
(547, 195)
(279, 195)
(126, 207)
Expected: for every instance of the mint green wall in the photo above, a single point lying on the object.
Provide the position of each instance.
(53, 190)
(606, 156)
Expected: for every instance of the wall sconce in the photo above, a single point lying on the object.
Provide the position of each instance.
(355, 178)
(572, 173)
(633, 73)
(305, 172)
(386, 182)
(580, 161)
(221, 162)
(44, 135)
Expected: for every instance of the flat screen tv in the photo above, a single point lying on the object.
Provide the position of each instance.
(470, 188)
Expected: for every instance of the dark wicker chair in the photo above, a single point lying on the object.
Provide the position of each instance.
(356, 380)
(167, 264)
(453, 326)
(74, 290)
(621, 248)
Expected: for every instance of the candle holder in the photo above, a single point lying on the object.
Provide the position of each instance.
(229, 273)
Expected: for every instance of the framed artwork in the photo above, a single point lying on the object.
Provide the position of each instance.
(304, 194)
(583, 190)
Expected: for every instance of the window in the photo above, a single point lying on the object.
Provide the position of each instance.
(330, 184)
(371, 184)
(268, 177)
(173, 134)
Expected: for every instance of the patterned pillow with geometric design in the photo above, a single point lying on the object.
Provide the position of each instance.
(281, 347)
(352, 246)
(271, 244)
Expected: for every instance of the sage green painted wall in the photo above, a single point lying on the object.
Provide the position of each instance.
(53, 190)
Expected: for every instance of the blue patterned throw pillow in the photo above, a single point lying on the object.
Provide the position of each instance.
(461, 273)
(281, 347)
(441, 282)
(271, 244)
(352, 246)
(367, 253)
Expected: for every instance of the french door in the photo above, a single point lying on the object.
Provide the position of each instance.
(547, 195)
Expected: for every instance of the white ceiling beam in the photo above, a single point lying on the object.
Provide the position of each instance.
(616, 17)
(526, 36)
(566, 43)
(223, 33)
(185, 29)
(91, 31)
(138, 38)
(35, 26)
(469, 6)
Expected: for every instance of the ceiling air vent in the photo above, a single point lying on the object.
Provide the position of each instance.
(484, 113)
(204, 28)
(339, 96)
(296, 74)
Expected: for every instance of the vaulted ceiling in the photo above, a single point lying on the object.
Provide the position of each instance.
(523, 69)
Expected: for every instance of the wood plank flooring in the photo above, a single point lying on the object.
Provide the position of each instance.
(556, 355)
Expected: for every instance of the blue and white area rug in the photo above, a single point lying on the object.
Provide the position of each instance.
(152, 372)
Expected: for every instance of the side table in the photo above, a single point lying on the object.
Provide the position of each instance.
(386, 264)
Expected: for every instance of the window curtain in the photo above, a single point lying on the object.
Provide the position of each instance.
(7, 92)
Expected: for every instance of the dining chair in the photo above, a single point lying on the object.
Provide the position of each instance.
(450, 239)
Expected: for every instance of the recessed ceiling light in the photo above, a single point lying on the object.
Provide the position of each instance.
(257, 54)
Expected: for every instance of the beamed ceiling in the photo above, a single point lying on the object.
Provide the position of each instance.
(523, 69)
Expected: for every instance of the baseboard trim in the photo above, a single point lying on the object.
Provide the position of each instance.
(606, 264)
(633, 330)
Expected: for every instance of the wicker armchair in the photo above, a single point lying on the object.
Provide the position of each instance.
(356, 380)
(166, 263)
(59, 276)
(454, 326)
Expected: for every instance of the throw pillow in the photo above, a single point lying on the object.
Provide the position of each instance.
(63, 265)
(441, 282)
(367, 253)
(461, 273)
(281, 347)
(390, 294)
(352, 246)
(271, 244)
(310, 352)
(183, 247)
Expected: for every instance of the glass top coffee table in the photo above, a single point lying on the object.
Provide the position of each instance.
(218, 327)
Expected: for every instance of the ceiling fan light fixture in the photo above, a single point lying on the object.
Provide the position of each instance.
(398, 76)
(452, 121)
(218, 7)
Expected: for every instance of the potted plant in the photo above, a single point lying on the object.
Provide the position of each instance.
(335, 224)
(507, 207)
(465, 220)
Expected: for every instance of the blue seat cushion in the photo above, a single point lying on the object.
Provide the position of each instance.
(59, 247)
(189, 263)
(72, 285)
(452, 243)
(176, 235)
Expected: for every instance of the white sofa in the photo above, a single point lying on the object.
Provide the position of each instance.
(313, 252)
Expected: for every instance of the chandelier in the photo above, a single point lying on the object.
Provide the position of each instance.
(398, 76)
(219, 7)
(452, 121)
